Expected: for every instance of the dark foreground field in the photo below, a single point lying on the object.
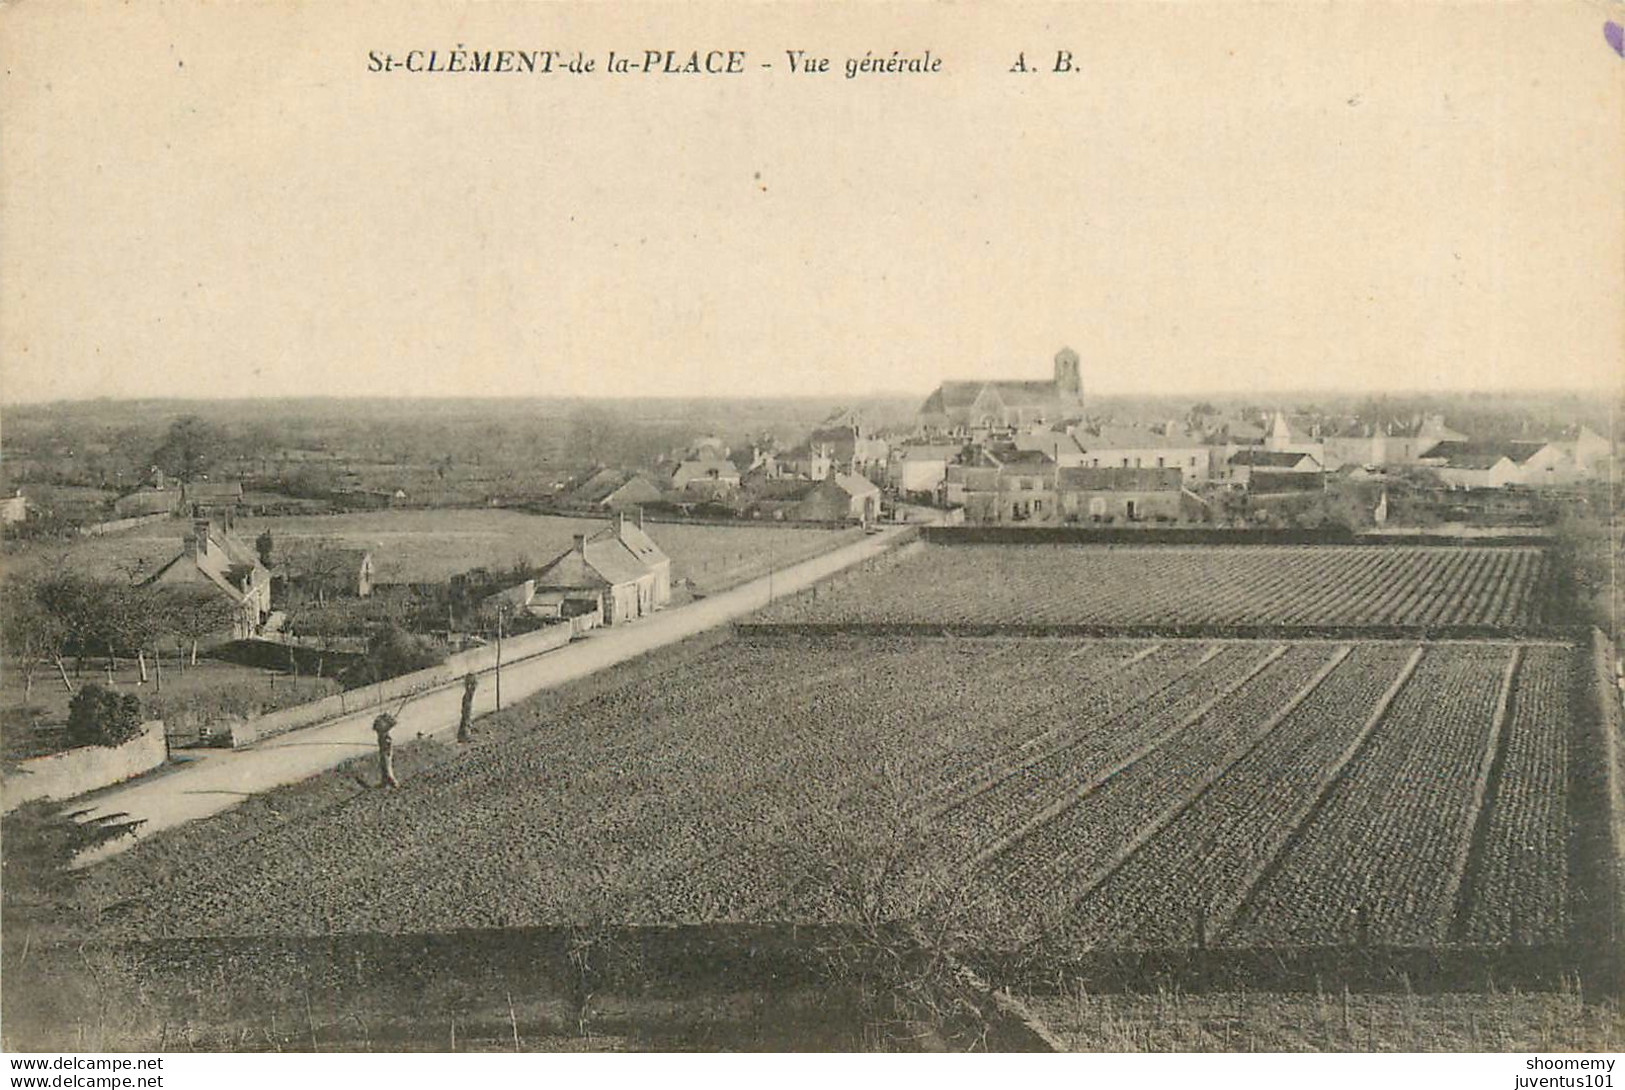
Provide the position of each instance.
(805, 837)
(1122, 793)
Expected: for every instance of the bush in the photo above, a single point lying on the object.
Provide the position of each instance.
(394, 652)
(98, 717)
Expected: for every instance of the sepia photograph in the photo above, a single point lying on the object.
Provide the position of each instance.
(811, 527)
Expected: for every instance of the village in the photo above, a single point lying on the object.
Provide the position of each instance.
(282, 597)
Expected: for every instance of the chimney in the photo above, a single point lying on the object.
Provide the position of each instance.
(581, 544)
(200, 538)
(640, 516)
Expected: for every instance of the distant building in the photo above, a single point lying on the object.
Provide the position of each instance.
(1005, 486)
(709, 474)
(1243, 465)
(1167, 447)
(962, 408)
(840, 497)
(1531, 464)
(1116, 494)
(213, 558)
(205, 498)
(147, 501)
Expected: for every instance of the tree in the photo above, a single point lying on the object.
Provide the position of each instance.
(194, 613)
(265, 546)
(192, 447)
(30, 634)
(74, 602)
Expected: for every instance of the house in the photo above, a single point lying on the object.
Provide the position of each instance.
(205, 498)
(1491, 464)
(1116, 494)
(324, 573)
(708, 473)
(1589, 451)
(1005, 486)
(1133, 447)
(213, 558)
(1243, 464)
(840, 497)
(147, 501)
(963, 407)
(635, 492)
(618, 570)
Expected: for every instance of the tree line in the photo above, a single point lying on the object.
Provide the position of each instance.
(60, 614)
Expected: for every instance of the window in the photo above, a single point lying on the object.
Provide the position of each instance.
(1193, 461)
(1160, 462)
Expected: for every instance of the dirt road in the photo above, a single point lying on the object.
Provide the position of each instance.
(222, 780)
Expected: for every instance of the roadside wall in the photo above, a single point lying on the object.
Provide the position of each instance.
(479, 660)
(1195, 535)
(77, 771)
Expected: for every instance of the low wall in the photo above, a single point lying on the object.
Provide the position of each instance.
(479, 660)
(824, 629)
(88, 768)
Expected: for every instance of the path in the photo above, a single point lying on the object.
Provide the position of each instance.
(221, 781)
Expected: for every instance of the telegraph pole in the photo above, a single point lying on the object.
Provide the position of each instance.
(500, 611)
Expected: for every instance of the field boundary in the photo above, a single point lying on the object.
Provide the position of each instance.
(1195, 535)
(1569, 634)
(1210, 776)
(1255, 881)
(1597, 835)
(1074, 797)
(1486, 790)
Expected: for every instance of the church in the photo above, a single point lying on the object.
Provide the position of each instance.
(959, 408)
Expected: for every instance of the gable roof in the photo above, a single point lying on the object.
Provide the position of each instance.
(1271, 459)
(1481, 454)
(224, 562)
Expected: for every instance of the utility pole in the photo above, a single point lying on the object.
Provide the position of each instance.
(500, 611)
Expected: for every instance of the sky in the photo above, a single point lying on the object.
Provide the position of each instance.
(205, 200)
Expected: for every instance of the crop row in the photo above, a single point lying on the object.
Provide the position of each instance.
(1520, 890)
(1024, 792)
(1066, 852)
(1378, 863)
(1216, 585)
(1198, 869)
(790, 778)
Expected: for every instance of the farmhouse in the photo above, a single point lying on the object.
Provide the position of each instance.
(1243, 464)
(213, 558)
(959, 408)
(147, 501)
(1533, 464)
(840, 497)
(705, 473)
(330, 572)
(619, 570)
(205, 498)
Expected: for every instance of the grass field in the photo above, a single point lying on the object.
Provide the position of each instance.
(1188, 585)
(424, 546)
